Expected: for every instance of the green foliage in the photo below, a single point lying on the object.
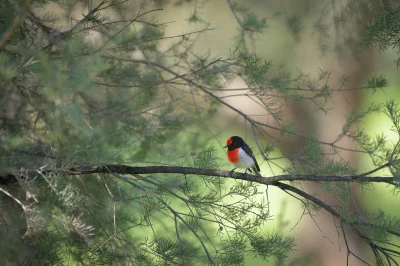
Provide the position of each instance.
(6, 70)
(253, 24)
(287, 127)
(178, 251)
(233, 251)
(47, 251)
(272, 245)
(339, 190)
(376, 83)
(206, 159)
(255, 69)
(295, 26)
(384, 29)
(110, 90)
(392, 110)
(313, 151)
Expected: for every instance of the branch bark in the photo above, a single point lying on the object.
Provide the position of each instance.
(131, 170)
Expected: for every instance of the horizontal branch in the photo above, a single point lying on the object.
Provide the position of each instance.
(125, 169)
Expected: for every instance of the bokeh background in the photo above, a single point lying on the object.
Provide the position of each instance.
(293, 40)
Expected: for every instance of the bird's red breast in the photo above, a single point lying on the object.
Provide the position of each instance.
(233, 156)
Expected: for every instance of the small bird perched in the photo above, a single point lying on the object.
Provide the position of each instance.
(240, 155)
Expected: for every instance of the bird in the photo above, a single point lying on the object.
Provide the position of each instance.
(240, 155)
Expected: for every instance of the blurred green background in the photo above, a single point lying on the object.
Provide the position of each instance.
(281, 44)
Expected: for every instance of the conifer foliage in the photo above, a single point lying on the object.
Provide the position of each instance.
(101, 113)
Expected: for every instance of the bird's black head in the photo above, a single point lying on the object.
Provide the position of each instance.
(234, 142)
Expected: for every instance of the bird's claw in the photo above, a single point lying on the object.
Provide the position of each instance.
(232, 171)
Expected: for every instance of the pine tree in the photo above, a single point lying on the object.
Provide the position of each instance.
(105, 128)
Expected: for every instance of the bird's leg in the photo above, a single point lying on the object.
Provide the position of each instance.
(248, 169)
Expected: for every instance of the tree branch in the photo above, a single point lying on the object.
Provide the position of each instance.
(131, 170)
(234, 13)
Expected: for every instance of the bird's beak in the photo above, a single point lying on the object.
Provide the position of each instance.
(226, 146)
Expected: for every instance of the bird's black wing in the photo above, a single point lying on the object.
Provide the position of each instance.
(247, 149)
